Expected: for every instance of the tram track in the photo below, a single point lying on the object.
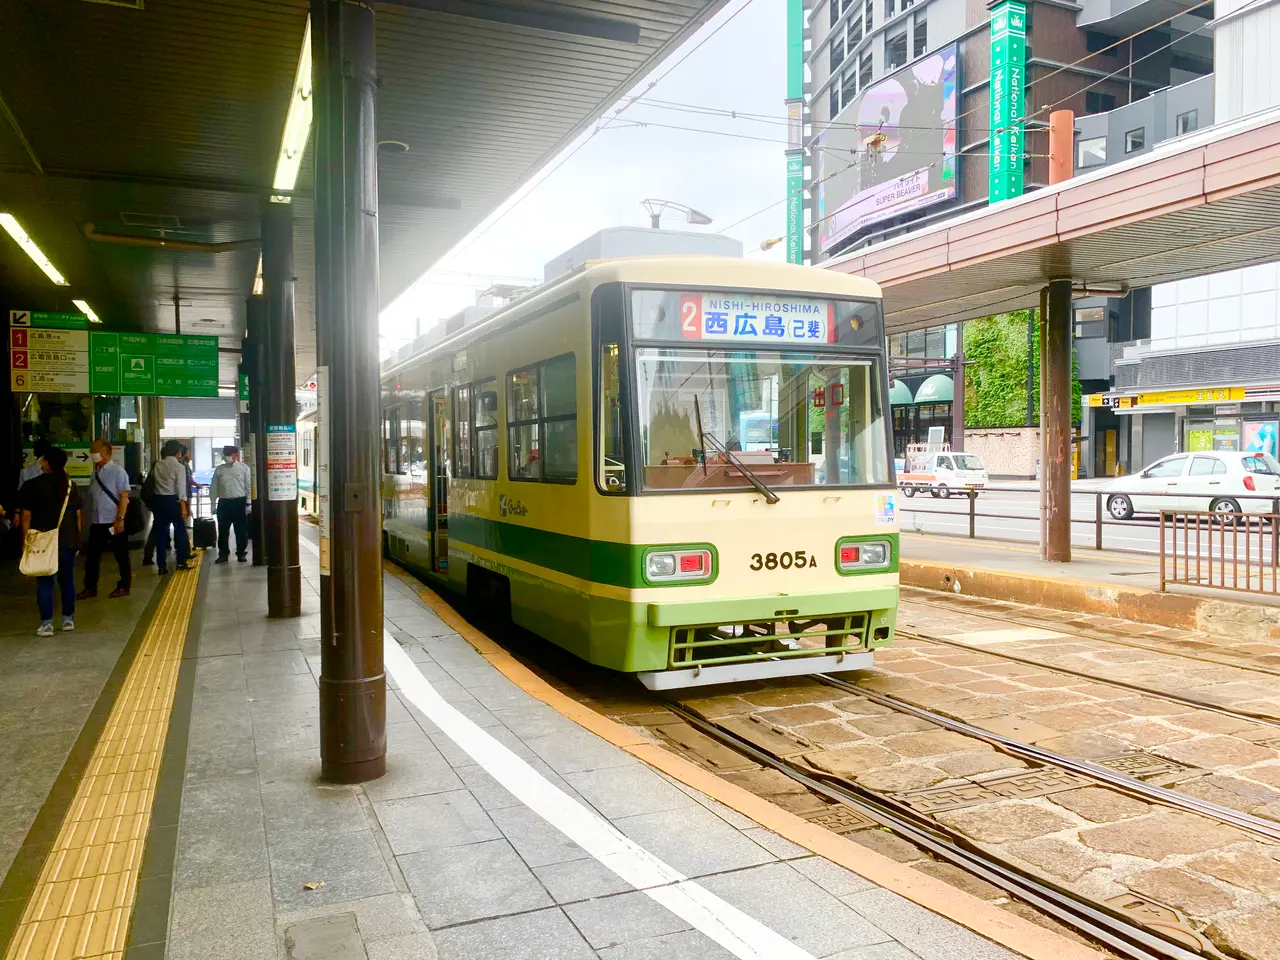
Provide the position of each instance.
(953, 607)
(1167, 695)
(1102, 775)
(1107, 926)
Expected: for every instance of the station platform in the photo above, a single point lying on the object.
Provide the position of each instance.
(1106, 583)
(163, 801)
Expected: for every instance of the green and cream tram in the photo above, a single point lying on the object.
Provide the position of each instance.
(673, 467)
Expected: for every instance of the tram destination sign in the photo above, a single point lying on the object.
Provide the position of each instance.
(743, 318)
(55, 353)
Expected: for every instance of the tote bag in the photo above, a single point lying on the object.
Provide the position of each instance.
(40, 551)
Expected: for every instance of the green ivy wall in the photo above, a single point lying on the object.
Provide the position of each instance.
(995, 377)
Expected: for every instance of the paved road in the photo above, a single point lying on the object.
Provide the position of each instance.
(1014, 515)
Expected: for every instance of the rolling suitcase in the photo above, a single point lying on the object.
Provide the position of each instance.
(204, 533)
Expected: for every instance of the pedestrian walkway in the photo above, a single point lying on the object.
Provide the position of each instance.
(502, 829)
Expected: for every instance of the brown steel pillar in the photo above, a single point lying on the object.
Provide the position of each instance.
(277, 489)
(957, 394)
(1062, 139)
(1055, 371)
(353, 705)
(256, 455)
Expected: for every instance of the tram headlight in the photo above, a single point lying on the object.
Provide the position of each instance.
(665, 565)
(863, 556)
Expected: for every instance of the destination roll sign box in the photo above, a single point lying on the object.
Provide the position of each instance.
(56, 353)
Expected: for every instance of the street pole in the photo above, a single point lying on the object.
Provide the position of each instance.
(257, 453)
(284, 573)
(1055, 372)
(957, 394)
(353, 707)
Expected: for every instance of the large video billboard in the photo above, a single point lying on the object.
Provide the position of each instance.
(891, 151)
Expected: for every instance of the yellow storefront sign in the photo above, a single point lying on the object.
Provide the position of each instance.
(1163, 398)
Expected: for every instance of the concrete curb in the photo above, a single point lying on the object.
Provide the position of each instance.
(1239, 621)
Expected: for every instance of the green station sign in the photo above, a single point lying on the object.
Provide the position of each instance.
(153, 364)
(48, 321)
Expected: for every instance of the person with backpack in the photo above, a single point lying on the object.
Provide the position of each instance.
(51, 502)
(108, 506)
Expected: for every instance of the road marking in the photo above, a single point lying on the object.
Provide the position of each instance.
(742, 935)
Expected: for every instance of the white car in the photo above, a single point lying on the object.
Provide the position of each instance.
(1220, 481)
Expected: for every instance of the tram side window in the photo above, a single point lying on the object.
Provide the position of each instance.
(404, 428)
(613, 469)
(388, 441)
(462, 431)
(542, 422)
(416, 431)
(485, 426)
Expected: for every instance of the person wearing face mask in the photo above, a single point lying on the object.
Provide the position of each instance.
(108, 494)
(230, 494)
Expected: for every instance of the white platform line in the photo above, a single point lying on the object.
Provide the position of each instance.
(742, 935)
(315, 551)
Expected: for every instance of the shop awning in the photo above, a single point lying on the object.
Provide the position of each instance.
(900, 393)
(937, 389)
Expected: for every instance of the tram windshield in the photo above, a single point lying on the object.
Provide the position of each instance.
(792, 419)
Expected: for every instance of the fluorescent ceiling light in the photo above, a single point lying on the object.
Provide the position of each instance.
(297, 125)
(86, 310)
(14, 229)
(257, 280)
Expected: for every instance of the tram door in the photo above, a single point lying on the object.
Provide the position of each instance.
(438, 470)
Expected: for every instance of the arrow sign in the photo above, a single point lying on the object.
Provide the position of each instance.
(19, 318)
(82, 456)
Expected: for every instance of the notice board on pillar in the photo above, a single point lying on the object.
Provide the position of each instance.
(282, 461)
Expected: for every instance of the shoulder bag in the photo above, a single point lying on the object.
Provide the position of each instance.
(133, 518)
(40, 550)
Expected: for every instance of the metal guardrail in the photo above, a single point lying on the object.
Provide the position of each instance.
(1225, 551)
(1102, 522)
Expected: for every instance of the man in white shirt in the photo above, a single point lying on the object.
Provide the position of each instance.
(169, 508)
(230, 493)
(108, 494)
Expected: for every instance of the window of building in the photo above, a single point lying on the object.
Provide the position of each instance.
(837, 53)
(1187, 122)
(462, 431)
(542, 422)
(920, 34)
(834, 96)
(869, 7)
(1097, 42)
(1095, 102)
(484, 401)
(889, 10)
(1091, 322)
(864, 71)
(855, 33)
(849, 86)
(1091, 152)
(1135, 140)
(895, 50)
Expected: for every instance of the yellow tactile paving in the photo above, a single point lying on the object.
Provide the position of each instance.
(81, 904)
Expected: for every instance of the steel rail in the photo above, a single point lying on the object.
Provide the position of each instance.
(1111, 778)
(928, 602)
(1105, 925)
(1122, 684)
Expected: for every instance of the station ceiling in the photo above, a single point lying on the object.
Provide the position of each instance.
(163, 119)
(1197, 205)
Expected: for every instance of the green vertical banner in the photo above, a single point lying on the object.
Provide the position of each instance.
(1008, 99)
(795, 131)
(795, 207)
(795, 49)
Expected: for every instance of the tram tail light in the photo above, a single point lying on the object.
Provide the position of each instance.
(678, 565)
(863, 555)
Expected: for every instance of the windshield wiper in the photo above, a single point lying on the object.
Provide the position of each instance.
(704, 436)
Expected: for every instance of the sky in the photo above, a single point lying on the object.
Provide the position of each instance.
(742, 67)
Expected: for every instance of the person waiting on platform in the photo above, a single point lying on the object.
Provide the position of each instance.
(230, 494)
(108, 503)
(170, 510)
(46, 499)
